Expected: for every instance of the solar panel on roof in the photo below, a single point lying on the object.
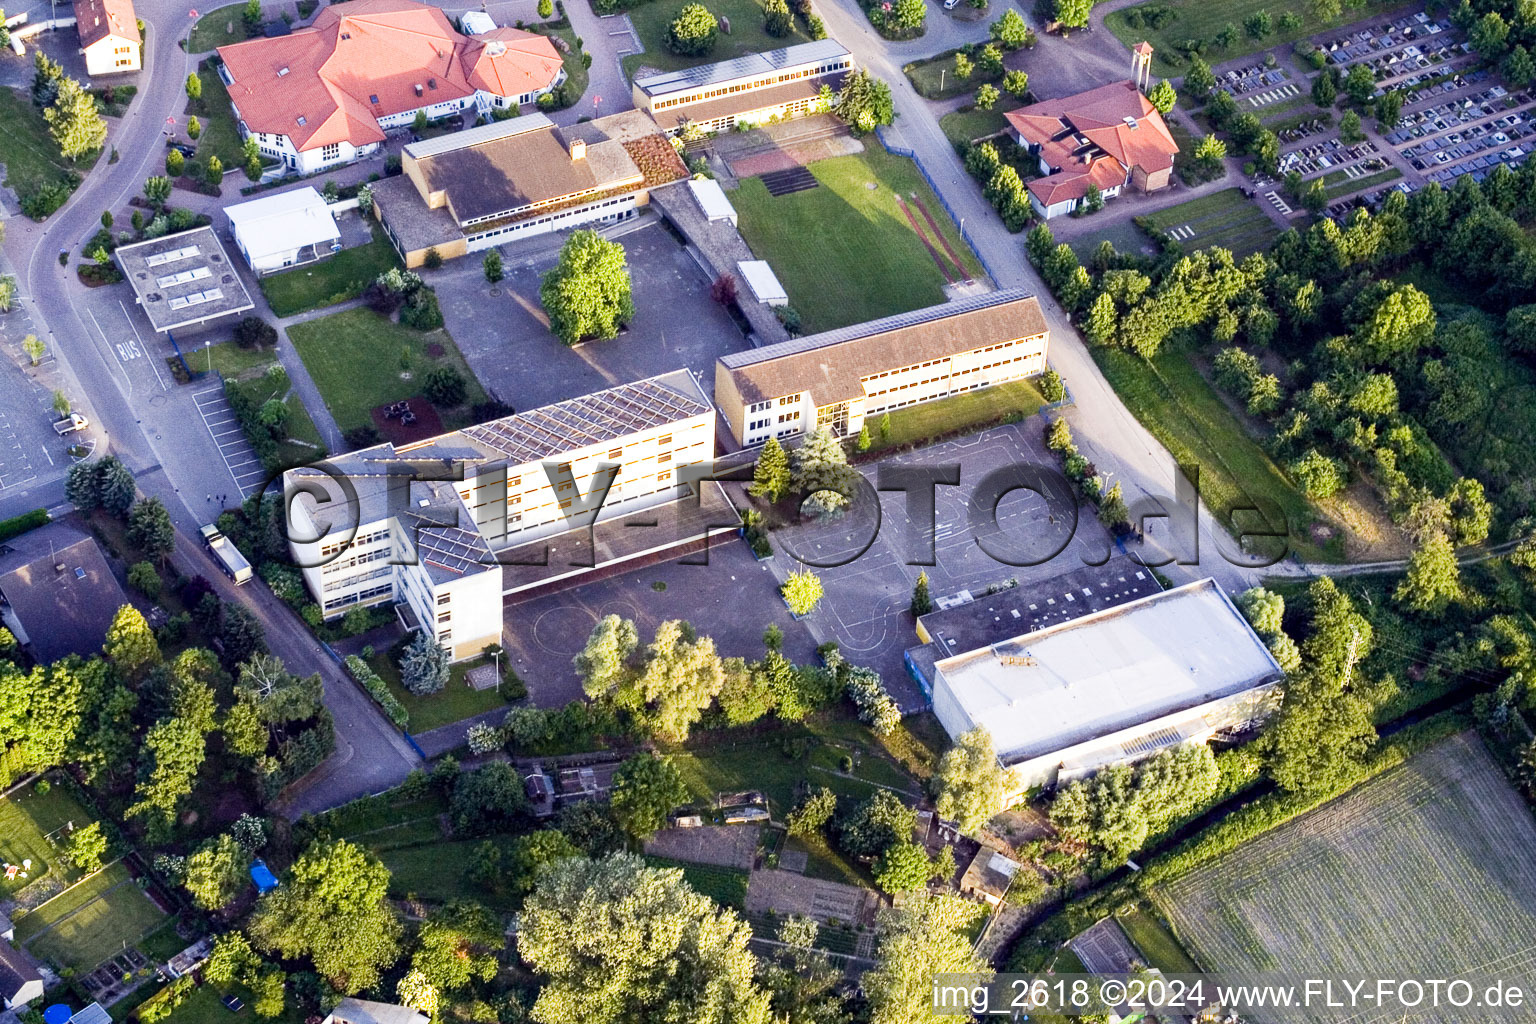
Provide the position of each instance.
(740, 67)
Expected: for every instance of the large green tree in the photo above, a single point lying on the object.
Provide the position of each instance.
(131, 644)
(216, 872)
(770, 474)
(457, 946)
(693, 32)
(332, 908)
(802, 980)
(646, 788)
(587, 294)
(150, 529)
(923, 937)
(681, 676)
(970, 781)
(1433, 579)
(489, 799)
(618, 942)
(864, 102)
(74, 122)
(604, 662)
(176, 749)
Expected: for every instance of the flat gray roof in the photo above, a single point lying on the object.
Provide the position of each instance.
(745, 66)
(183, 279)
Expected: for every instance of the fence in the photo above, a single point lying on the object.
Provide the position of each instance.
(183, 358)
(958, 221)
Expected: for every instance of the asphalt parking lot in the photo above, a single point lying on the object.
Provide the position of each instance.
(31, 454)
(505, 336)
(868, 593)
(732, 599)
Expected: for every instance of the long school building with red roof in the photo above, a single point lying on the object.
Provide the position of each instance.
(327, 94)
(1111, 137)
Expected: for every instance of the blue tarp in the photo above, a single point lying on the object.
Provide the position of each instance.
(58, 1013)
(263, 877)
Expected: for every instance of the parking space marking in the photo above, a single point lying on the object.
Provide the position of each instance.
(244, 467)
(1278, 203)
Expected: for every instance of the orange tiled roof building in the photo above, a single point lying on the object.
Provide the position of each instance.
(1111, 137)
(327, 94)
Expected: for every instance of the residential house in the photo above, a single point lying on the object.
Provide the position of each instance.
(20, 980)
(1111, 137)
(57, 593)
(109, 36)
(328, 94)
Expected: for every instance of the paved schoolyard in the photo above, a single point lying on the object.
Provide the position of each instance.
(505, 336)
(732, 599)
(868, 593)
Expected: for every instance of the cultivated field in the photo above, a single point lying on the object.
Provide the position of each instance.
(1429, 871)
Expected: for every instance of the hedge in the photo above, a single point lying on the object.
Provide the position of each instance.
(370, 681)
(21, 524)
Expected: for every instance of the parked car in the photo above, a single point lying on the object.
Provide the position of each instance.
(185, 150)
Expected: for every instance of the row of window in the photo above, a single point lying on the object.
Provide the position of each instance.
(352, 581)
(588, 212)
(761, 83)
(361, 540)
(362, 595)
(335, 567)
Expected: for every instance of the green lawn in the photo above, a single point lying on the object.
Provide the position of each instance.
(970, 125)
(1224, 218)
(354, 357)
(1199, 19)
(746, 35)
(202, 1006)
(934, 77)
(1155, 942)
(1121, 233)
(1343, 186)
(27, 150)
(89, 922)
(26, 818)
(1175, 402)
(218, 28)
(726, 886)
(949, 415)
(845, 252)
(221, 136)
(332, 280)
(229, 359)
(575, 71)
(455, 702)
(435, 872)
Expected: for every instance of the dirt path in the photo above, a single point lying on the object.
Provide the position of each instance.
(943, 269)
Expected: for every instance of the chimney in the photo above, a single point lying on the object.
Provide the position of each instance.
(578, 149)
(418, 88)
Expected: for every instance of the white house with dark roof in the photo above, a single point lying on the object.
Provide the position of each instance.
(427, 526)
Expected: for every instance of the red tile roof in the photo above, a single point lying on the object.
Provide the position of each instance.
(1097, 136)
(364, 60)
(97, 19)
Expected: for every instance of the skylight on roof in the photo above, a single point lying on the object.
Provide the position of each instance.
(373, 98)
(302, 121)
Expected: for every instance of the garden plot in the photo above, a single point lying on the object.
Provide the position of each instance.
(1430, 868)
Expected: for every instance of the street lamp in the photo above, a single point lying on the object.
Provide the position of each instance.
(207, 343)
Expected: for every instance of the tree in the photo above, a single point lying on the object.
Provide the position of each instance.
(680, 677)
(1210, 151)
(216, 873)
(876, 824)
(990, 59)
(777, 21)
(157, 188)
(587, 294)
(1010, 30)
(1264, 609)
(1121, 806)
(131, 643)
(864, 102)
(231, 960)
(150, 529)
(821, 465)
(252, 15)
(986, 96)
(1360, 84)
(1488, 36)
(770, 474)
(419, 123)
(813, 813)
(1258, 24)
(546, 8)
(87, 847)
(333, 909)
(489, 799)
(534, 852)
(47, 78)
(1016, 83)
(802, 980)
(74, 122)
(693, 32)
(1199, 80)
(1162, 96)
(194, 127)
(971, 782)
(922, 601)
(1315, 196)
(603, 662)
(144, 578)
(902, 868)
(492, 266)
(1093, 202)
(1349, 128)
(1433, 579)
(1389, 107)
(924, 937)
(174, 163)
(646, 789)
(444, 386)
(1325, 10)
(801, 591)
(424, 664)
(194, 87)
(213, 174)
(617, 941)
(241, 635)
(34, 348)
(1072, 13)
(964, 67)
(1519, 67)
(415, 991)
(176, 749)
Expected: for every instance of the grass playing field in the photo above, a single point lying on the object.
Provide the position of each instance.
(88, 923)
(1429, 868)
(844, 251)
(355, 358)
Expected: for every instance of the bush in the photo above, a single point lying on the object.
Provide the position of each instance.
(370, 681)
(1318, 475)
(143, 577)
(1052, 388)
(254, 332)
(421, 310)
(444, 386)
(693, 32)
(19, 525)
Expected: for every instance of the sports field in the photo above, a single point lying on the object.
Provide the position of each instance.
(1427, 871)
(83, 926)
(847, 251)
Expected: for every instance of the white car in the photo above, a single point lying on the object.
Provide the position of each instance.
(950, 5)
